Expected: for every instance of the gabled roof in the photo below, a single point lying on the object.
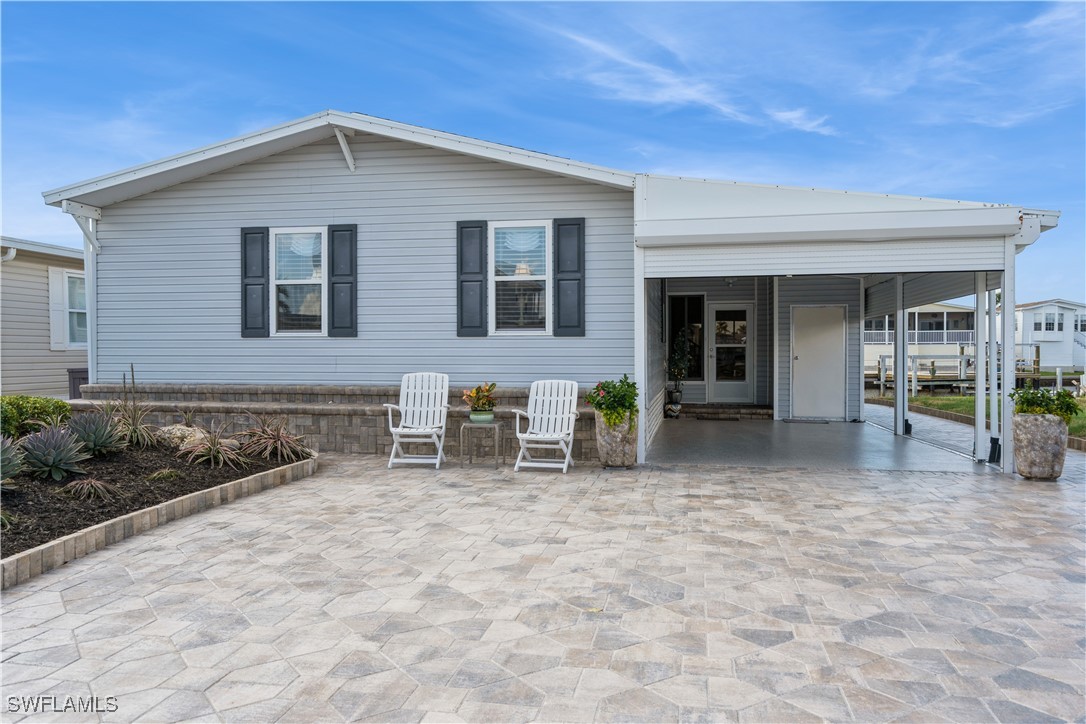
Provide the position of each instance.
(138, 180)
(37, 247)
(1046, 302)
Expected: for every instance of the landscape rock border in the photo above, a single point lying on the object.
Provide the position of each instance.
(29, 564)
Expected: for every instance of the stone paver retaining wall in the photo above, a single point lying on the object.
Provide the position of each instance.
(332, 418)
(23, 566)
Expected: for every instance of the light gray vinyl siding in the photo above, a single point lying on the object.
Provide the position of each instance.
(815, 291)
(169, 271)
(653, 397)
(743, 290)
(27, 364)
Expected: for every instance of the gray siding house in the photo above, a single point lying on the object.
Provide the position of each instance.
(344, 250)
(43, 319)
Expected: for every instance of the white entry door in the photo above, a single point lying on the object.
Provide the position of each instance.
(819, 364)
(731, 353)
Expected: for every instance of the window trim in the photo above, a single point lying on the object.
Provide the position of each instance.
(548, 279)
(273, 282)
(59, 307)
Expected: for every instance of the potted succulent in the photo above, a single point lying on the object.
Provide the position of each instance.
(481, 401)
(1040, 431)
(615, 405)
(678, 367)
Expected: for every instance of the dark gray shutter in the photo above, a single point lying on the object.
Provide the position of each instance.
(254, 282)
(569, 278)
(471, 279)
(342, 280)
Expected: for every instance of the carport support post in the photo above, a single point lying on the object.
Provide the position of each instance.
(640, 348)
(901, 352)
(1031, 229)
(980, 365)
(993, 379)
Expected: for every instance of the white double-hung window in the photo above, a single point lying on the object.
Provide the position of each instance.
(520, 277)
(298, 278)
(67, 309)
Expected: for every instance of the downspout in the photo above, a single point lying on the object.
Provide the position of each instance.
(9, 254)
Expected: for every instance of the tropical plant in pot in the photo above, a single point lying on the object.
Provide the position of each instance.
(1040, 431)
(481, 401)
(615, 405)
(678, 368)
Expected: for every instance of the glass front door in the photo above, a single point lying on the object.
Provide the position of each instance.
(731, 353)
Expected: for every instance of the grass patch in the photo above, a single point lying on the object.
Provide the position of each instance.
(964, 406)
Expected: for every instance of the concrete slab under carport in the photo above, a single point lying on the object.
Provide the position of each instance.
(821, 446)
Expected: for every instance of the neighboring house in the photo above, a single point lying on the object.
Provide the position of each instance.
(43, 319)
(342, 249)
(1057, 327)
(935, 331)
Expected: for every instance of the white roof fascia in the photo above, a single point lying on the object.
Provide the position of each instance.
(1050, 302)
(138, 180)
(484, 149)
(221, 150)
(964, 222)
(37, 247)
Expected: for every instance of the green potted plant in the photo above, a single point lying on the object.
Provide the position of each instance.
(614, 403)
(481, 402)
(1040, 431)
(678, 367)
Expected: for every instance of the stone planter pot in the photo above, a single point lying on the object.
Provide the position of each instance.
(1040, 445)
(617, 445)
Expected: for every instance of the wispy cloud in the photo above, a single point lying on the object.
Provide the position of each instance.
(627, 78)
(800, 119)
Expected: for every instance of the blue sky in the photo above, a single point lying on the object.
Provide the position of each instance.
(977, 101)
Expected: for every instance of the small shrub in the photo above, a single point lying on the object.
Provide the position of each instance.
(216, 449)
(615, 399)
(1045, 402)
(21, 414)
(98, 431)
(132, 420)
(53, 452)
(187, 416)
(269, 438)
(11, 458)
(7, 520)
(91, 489)
(164, 474)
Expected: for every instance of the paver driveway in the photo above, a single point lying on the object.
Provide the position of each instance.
(651, 595)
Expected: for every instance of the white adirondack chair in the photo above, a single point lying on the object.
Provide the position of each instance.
(552, 412)
(424, 405)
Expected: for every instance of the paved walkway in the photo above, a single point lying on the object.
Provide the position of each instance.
(693, 594)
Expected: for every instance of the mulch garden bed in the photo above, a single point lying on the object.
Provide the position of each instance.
(44, 512)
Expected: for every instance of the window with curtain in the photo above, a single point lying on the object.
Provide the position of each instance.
(520, 265)
(298, 280)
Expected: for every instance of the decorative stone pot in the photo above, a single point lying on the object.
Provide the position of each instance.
(1040, 445)
(481, 417)
(617, 445)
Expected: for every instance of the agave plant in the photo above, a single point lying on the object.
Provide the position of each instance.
(216, 449)
(269, 438)
(11, 460)
(91, 489)
(98, 431)
(54, 452)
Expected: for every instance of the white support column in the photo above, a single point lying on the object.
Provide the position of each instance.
(993, 379)
(776, 350)
(1031, 229)
(640, 348)
(901, 353)
(980, 369)
(862, 373)
(944, 327)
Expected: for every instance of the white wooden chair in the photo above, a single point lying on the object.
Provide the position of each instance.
(552, 412)
(423, 408)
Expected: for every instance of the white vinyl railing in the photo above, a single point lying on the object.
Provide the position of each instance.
(924, 336)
